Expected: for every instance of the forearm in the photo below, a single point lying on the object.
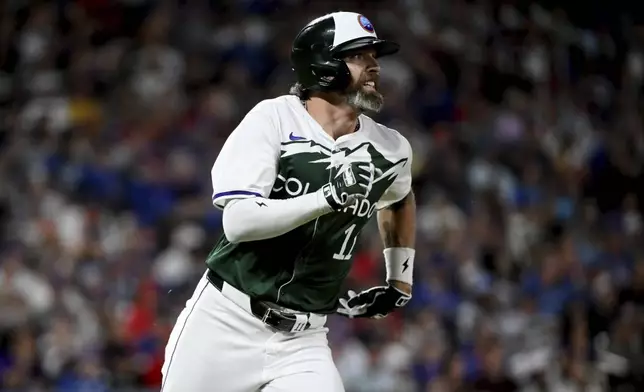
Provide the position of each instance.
(255, 219)
(397, 226)
(397, 223)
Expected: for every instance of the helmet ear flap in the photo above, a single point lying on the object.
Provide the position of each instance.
(331, 74)
(320, 48)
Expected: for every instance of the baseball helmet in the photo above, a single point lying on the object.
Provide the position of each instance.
(318, 49)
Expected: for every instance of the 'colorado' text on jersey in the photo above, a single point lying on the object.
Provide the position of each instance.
(279, 151)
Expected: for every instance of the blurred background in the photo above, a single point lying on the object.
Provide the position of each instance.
(525, 118)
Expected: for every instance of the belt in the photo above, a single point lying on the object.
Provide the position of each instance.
(275, 318)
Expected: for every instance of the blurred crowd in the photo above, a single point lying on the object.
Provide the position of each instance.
(528, 145)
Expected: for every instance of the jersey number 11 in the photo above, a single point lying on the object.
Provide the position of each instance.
(345, 254)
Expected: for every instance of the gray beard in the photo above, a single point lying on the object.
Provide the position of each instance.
(365, 101)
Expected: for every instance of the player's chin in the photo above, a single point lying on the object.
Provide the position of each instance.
(372, 102)
(367, 99)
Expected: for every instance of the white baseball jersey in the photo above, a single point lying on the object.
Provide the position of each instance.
(279, 151)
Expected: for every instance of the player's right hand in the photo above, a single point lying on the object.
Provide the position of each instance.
(348, 183)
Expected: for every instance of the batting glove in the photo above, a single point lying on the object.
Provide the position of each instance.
(348, 183)
(376, 302)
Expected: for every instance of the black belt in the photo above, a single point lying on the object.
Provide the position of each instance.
(275, 318)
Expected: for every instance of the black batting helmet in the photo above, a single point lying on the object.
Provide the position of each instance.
(318, 49)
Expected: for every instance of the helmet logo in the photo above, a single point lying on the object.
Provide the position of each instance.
(365, 23)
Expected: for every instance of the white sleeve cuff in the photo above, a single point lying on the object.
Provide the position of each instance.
(400, 264)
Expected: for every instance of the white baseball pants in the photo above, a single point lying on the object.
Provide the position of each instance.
(217, 346)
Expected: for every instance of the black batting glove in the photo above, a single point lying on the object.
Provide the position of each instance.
(348, 183)
(376, 302)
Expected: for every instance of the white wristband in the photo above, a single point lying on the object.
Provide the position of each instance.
(400, 264)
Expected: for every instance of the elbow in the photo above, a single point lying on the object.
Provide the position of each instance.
(234, 232)
(233, 225)
(233, 236)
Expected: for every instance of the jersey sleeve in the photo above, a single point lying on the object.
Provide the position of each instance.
(247, 163)
(402, 184)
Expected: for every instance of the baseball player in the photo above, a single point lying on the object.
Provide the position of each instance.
(297, 180)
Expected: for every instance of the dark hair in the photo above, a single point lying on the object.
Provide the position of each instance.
(299, 91)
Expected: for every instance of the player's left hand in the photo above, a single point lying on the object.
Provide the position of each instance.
(376, 302)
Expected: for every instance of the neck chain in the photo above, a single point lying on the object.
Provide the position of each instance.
(357, 127)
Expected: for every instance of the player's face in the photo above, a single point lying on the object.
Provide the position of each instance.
(365, 80)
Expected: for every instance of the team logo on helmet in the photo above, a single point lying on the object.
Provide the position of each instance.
(365, 23)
